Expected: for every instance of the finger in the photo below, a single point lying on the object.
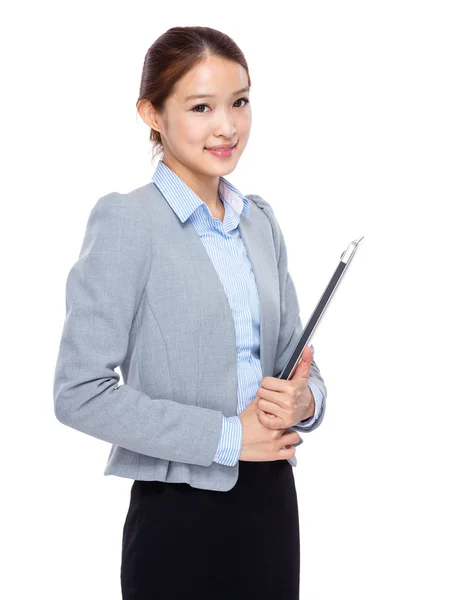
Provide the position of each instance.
(304, 366)
(269, 421)
(269, 407)
(274, 384)
(281, 398)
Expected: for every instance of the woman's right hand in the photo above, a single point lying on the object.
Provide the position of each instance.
(261, 444)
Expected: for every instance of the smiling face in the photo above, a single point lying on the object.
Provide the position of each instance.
(219, 115)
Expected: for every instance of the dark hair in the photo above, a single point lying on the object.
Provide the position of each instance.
(172, 55)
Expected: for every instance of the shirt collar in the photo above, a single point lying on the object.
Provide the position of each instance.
(184, 201)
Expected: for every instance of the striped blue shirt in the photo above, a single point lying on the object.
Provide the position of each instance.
(224, 245)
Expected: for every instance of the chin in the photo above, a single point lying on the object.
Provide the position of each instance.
(223, 172)
(222, 165)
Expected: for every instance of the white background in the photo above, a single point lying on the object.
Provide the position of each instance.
(358, 129)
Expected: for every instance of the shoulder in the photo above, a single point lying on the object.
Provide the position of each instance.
(264, 207)
(116, 200)
(259, 201)
(267, 211)
(116, 207)
(118, 220)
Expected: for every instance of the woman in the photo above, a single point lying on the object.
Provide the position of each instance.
(183, 284)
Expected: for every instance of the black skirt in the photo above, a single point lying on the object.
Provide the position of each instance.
(181, 543)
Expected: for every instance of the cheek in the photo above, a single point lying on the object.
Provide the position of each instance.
(192, 132)
(183, 132)
(243, 127)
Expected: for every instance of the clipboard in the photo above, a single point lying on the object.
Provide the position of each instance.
(324, 301)
(314, 319)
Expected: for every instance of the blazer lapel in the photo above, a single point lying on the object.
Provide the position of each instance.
(192, 266)
(258, 241)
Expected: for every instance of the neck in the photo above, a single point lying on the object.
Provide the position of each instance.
(204, 186)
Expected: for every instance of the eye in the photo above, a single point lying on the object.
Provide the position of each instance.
(246, 101)
(198, 106)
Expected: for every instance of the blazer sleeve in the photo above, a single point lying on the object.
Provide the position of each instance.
(103, 291)
(291, 326)
(319, 401)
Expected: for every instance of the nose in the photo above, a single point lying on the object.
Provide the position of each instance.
(225, 125)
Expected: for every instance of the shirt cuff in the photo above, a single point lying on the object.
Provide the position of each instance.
(231, 441)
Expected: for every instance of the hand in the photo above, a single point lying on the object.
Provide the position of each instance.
(282, 403)
(261, 444)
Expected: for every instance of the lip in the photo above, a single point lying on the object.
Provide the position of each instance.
(222, 148)
(225, 153)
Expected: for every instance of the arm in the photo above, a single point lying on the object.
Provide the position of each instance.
(291, 326)
(103, 292)
(319, 399)
(231, 442)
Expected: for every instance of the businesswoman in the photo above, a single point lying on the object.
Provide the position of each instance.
(183, 283)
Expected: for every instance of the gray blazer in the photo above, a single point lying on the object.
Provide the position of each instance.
(144, 296)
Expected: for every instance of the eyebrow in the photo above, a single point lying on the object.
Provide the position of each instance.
(192, 96)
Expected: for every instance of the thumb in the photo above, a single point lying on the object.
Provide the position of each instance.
(304, 367)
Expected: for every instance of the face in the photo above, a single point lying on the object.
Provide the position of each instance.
(221, 114)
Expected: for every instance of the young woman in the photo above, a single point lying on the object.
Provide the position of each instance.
(183, 283)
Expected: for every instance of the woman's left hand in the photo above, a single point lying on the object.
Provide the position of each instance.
(285, 402)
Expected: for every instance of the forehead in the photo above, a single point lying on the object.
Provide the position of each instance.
(213, 75)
